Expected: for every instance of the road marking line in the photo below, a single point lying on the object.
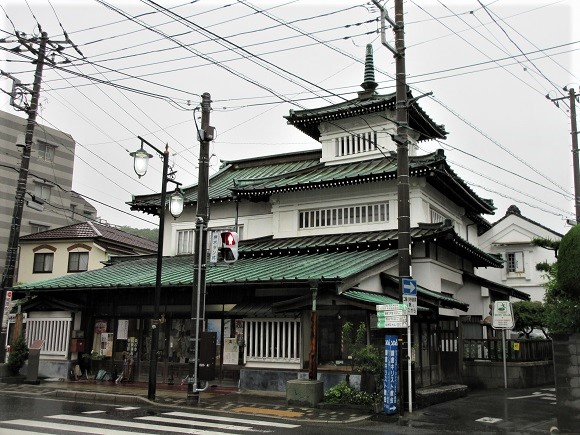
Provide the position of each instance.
(488, 420)
(195, 423)
(4, 431)
(132, 424)
(70, 427)
(268, 411)
(94, 412)
(127, 408)
(231, 420)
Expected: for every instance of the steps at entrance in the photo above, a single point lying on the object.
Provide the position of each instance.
(432, 395)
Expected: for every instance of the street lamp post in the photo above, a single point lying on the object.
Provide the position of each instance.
(141, 161)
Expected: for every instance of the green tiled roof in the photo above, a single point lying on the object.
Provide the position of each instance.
(178, 271)
(370, 297)
(373, 298)
(236, 172)
(439, 233)
(258, 178)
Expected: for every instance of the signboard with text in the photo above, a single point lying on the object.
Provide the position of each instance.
(502, 315)
(391, 374)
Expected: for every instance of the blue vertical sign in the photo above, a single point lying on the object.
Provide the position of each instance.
(391, 374)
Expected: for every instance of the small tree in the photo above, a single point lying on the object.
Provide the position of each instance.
(529, 316)
(18, 355)
(562, 311)
(568, 273)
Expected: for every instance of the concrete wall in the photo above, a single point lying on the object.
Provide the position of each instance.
(275, 380)
(489, 374)
(50, 369)
(567, 369)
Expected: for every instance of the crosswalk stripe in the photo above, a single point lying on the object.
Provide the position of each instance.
(12, 431)
(127, 408)
(195, 423)
(231, 420)
(131, 424)
(68, 427)
(94, 412)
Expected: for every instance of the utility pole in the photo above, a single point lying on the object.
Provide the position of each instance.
(402, 141)
(205, 136)
(574, 132)
(12, 251)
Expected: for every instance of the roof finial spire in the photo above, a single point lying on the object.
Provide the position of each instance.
(369, 83)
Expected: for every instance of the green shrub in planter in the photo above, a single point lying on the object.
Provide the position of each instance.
(18, 355)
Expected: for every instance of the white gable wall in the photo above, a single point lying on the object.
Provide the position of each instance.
(514, 234)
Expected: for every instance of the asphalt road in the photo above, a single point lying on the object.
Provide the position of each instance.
(528, 411)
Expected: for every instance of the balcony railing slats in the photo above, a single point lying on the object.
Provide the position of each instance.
(491, 349)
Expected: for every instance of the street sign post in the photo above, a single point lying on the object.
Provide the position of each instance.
(503, 318)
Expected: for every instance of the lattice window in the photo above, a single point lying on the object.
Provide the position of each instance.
(355, 143)
(340, 216)
(55, 331)
(272, 340)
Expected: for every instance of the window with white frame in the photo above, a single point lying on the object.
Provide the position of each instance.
(46, 151)
(184, 242)
(341, 216)
(515, 262)
(54, 331)
(272, 340)
(42, 191)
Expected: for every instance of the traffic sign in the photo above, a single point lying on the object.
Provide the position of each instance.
(392, 322)
(502, 315)
(392, 309)
(411, 302)
(409, 286)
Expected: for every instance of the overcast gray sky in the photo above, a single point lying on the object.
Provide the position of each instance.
(488, 63)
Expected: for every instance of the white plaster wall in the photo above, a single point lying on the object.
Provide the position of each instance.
(60, 262)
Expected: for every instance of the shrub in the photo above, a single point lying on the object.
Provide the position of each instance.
(344, 393)
(18, 355)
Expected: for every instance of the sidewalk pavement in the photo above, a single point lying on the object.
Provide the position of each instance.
(225, 397)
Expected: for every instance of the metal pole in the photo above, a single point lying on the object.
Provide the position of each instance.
(12, 251)
(504, 358)
(409, 374)
(575, 154)
(155, 320)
